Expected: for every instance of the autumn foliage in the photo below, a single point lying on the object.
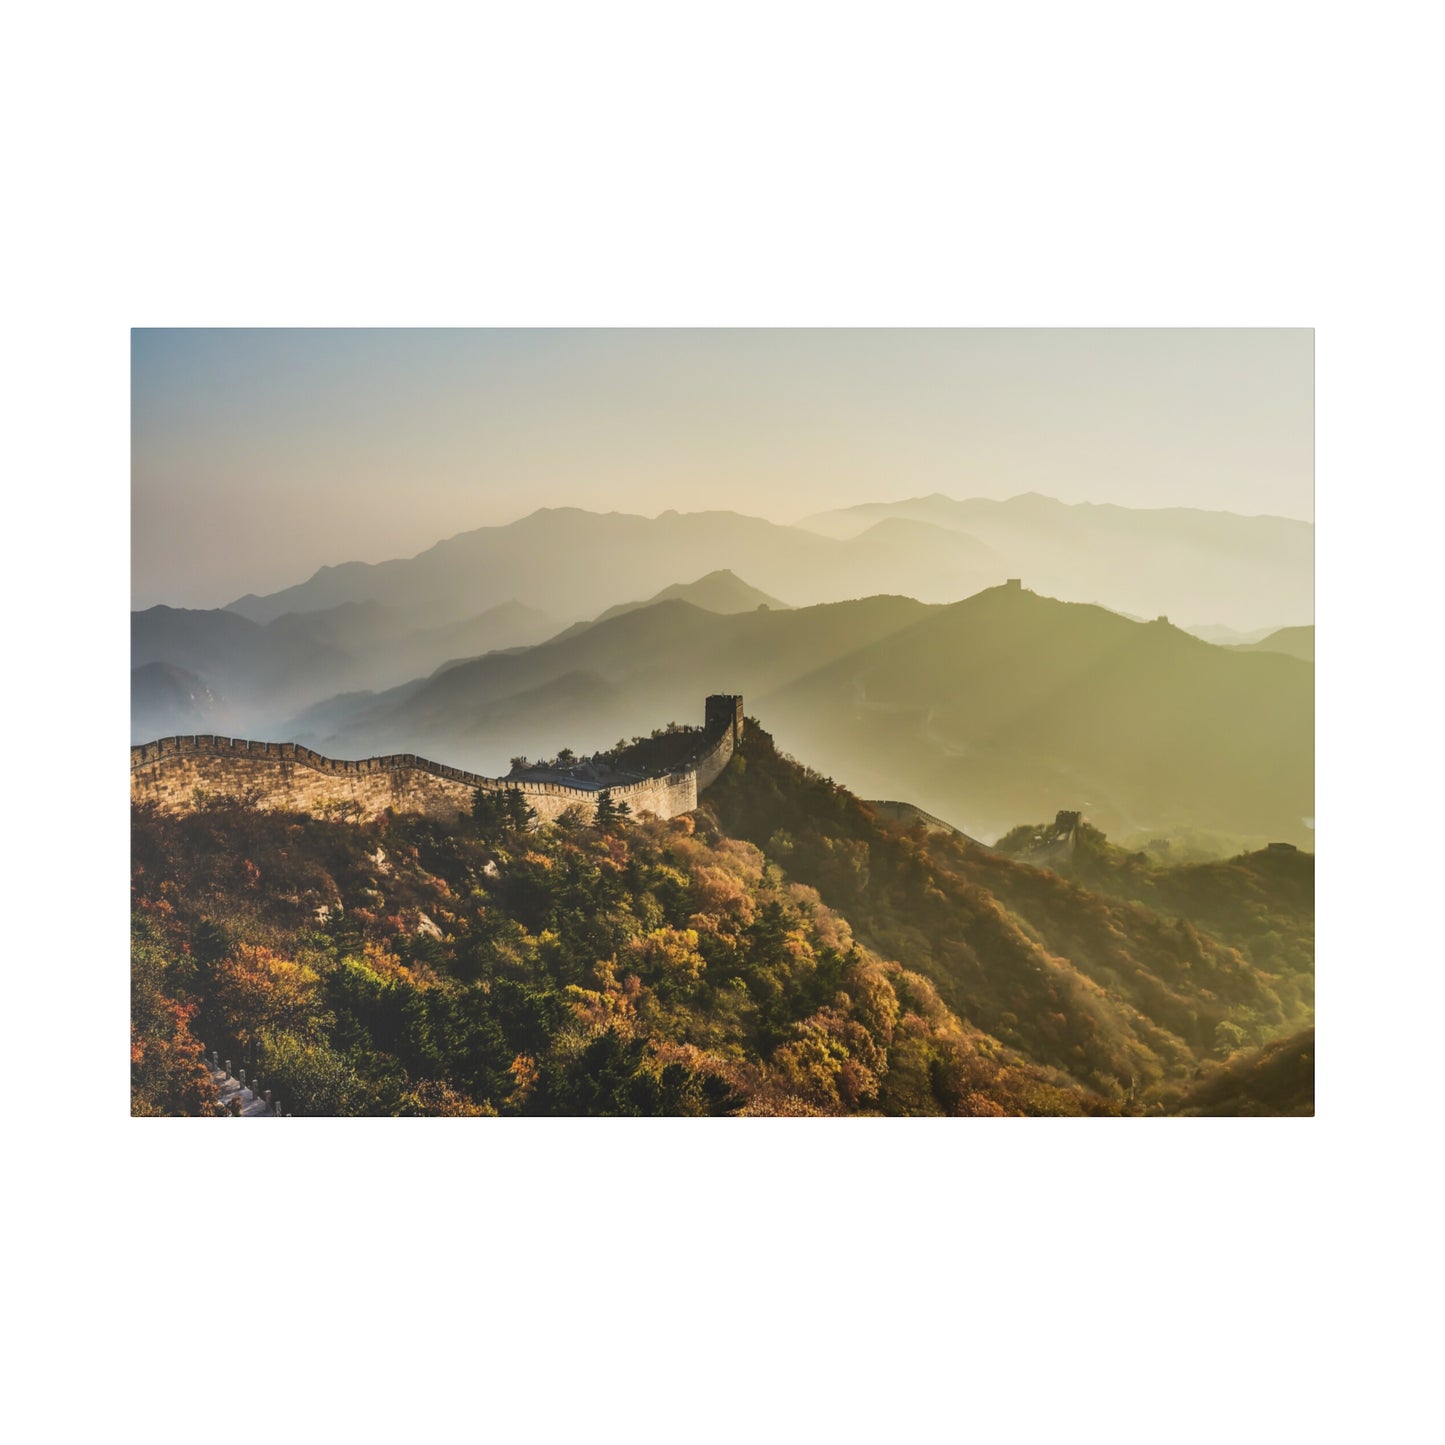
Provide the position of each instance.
(778, 952)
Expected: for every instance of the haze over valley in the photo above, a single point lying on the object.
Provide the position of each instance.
(893, 658)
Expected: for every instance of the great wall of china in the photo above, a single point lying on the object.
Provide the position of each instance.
(172, 771)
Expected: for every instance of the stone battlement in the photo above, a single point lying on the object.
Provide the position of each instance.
(171, 771)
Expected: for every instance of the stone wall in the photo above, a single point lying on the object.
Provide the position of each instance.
(286, 775)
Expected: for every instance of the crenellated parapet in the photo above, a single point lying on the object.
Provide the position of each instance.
(173, 772)
(205, 744)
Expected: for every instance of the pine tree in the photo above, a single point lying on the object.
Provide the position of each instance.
(519, 813)
(606, 814)
(610, 812)
(489, 810)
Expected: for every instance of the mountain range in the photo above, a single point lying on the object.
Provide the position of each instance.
(1004, 706)
(1215, 567)
(575, 564)
(721, 591)
(1292, 641)
(215, 670)
(1227, 569)
(878, 641)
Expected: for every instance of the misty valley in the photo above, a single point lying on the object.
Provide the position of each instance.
(1020, 821)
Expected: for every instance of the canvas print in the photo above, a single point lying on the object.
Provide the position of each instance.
(722, 723)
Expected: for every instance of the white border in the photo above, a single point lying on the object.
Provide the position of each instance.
(1119, 164)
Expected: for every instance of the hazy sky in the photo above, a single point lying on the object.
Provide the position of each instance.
(259, 456)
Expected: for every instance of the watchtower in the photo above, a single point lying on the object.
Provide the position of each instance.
(724, 713)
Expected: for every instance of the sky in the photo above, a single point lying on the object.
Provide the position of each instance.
(259, 456)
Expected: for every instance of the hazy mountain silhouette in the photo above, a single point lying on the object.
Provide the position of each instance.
(664, 658)
(509, 624)
(386, 646)
(1244, 572)
(1007, 705)
(1010, 706)
(1292, 641)
(1003, 707)
(1008, 699)
(263, 672)
(266, 673)
(1224, 636)
(168, 700)
(576, 564)
(350, 626)
(721, 591)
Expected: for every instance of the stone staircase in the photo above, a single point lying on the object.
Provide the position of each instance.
(240, 1100)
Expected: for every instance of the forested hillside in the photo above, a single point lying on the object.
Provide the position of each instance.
(1261, 902)
(779, 952)
(1122, 996)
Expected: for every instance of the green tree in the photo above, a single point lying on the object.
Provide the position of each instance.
(520, 814)
(489, 811)
(1228, 1037)
(611, 812)
(606, 814)
(614, 1075)
(311, 1078)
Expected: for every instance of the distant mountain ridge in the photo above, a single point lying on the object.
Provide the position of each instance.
(1011, 705)
(1244, 572)
(166, 699)
(722, 591)
(1292, 641)
(267, 672)
(946, 510)
(906, 667)
(1005, 706)
(616, 677)
(574, 563)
